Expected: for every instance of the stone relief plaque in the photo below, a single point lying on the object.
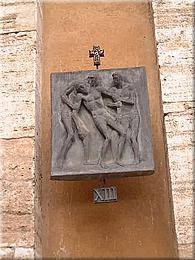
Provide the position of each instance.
(100, 124)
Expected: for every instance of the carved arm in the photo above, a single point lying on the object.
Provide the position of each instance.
(67, 101)
(115, 104)
(65, 98)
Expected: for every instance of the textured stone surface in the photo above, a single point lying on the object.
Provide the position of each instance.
(17, 94)
(17, 197)
(181, 163)
(38, 174)
(7, 252)
(184, 212)
(17, 229)
(187, 251)
(22, 222)
(174, 34)
(17, 16)
(17, 238)
(24, 253)
(178, 106)
(14, 166)
(180, 122)
(176, 84)
(18, 52)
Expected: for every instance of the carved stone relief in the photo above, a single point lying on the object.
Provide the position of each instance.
(100, 124)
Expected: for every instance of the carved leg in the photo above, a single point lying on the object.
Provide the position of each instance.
(67, 122)
(102, 127)
(64, 150)
(114, 144)
(86, 149)
(121, 141)
(86, 142)
(135, 147)
(120, 149)
(84, 136)
(103, 153)
(133, 139)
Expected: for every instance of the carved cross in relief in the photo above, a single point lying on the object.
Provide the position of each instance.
(96, 53)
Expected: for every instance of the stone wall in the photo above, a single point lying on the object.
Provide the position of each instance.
(18, 53)
(20, 34)
(174, 35)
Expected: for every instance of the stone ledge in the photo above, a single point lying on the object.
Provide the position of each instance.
(6, 253)
(180, 140)
(187, 251)
(177, 107)
(24, 253)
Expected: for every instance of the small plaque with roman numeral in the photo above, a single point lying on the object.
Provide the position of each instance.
(108, 194)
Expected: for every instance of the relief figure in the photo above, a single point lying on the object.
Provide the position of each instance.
(127, 114)
(104, 122)
(72, 123)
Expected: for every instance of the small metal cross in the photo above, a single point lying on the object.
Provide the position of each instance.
(96, 53)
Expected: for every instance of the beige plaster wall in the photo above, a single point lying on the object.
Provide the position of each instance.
(174, 34)
(141, 223)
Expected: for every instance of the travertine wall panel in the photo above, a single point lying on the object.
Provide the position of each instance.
(180, 159)
(6, 252)
(184, 213)
(177, 84)
(186, 250)
(171, 13)
(180, 122)
(17, 197)
(18, 229)
(16, 238)
(17, 168)
(174, 36)
(24, 253)
(174, 57)
(178, 106)
(17, 253)
(178, 140)
(19, 54)
(174, 33)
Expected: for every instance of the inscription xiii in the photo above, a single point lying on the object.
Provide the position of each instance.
(105, 194)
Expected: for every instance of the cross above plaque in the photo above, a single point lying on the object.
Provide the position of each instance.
(100, 124)
(96, 53)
